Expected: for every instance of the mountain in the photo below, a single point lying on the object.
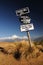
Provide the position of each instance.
(39, 39)
(13, 38)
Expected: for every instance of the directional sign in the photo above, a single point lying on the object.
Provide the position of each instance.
(26, 27)
(25, 19)
(22, 11)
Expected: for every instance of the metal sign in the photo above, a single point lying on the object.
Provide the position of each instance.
(22, 11)
(26, 27)
(25, 19)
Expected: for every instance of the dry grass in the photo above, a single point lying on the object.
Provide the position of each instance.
(18, 53)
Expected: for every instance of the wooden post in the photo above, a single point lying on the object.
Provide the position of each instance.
(29, 40)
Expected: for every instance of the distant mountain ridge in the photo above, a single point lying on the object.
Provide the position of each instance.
(15, 38)
(39, 39)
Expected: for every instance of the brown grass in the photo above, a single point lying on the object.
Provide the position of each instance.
(18, 53)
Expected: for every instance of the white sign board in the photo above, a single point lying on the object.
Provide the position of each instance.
(22, 11)
(26, 27)
(25, 19)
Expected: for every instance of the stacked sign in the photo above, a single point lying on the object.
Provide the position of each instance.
(24, 19)
(26, 27)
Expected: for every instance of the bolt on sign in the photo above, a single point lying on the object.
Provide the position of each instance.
(22, 11)
(26, 27)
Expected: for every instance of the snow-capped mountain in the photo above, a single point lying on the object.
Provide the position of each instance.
(12, 38)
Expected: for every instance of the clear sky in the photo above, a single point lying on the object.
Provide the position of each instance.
(9, 23)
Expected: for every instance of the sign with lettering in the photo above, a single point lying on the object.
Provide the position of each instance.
(26, 27)
(22, 11)
(25, 19)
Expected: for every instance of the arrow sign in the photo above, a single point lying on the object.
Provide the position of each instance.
(22, 11)
(26, 27)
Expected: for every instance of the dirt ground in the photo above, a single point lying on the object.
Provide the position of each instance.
(9, 59)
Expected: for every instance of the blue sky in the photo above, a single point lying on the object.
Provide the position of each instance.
(9, 23)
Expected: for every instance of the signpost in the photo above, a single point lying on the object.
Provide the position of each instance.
(25, 21)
